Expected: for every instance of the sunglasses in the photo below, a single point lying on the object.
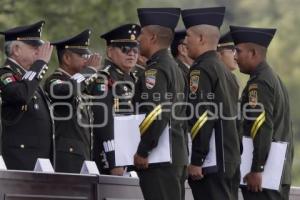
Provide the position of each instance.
(126, 49)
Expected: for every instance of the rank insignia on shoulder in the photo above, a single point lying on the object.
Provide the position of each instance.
(194, 81)
(7, 78)
(150, 78)
(252, 94)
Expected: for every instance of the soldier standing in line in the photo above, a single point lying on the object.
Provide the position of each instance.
(210, 93)
(157, 91)
(267, 112)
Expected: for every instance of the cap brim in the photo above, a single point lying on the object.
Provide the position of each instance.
(33, 42)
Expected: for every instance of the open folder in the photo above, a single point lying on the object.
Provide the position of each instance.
(127, 137)
(271, 176)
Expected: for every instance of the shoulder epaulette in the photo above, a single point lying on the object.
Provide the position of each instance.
(140, 67)
(151, 64)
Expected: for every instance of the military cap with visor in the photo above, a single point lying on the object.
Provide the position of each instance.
(78, 44)
(226, 42)
(29, 34)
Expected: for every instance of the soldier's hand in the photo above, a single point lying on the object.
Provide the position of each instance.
(140, 162)
(195, 172)
(117, 171)
(44, 52)
(253, 180)
(94, 61)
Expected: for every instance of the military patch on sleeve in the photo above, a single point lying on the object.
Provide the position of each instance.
(194, 81)
(150, 78)
(101, 87)
(7, 78)
(252, 94)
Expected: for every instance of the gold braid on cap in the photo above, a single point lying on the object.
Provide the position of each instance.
(28, 38)
(124, 40)
(75, 47)
(226, 44)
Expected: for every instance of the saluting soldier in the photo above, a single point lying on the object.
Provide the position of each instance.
(158, 90)
(114, 88)
(214, 106)
(71, 109)
(27, 124)
(267, 111)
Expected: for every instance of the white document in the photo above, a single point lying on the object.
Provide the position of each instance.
(127, 137)
(271, 176)
(211, 157)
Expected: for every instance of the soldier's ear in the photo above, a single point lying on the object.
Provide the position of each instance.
(253, 52)
(181, 49)
(66, 58)
(16, 50)
(153, 38)
(109, 52)
(200, 39)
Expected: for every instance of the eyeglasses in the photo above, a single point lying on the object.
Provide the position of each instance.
(127, 49)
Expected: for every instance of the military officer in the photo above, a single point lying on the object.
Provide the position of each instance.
(179, 52)
(27, 124)
(115, 89)
(210, 94)
(157, 91)
(72, 113)
(267, 111)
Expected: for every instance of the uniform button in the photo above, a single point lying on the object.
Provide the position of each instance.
(261, 167)
(22, 146)
(71, 149)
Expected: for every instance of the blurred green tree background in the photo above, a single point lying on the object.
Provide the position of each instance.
(69, 17)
